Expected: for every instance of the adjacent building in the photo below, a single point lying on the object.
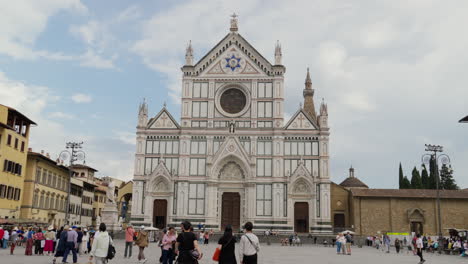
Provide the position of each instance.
(232, 157)
(376, 211)
(45, 191)
(14, 138)
(99, 201)
(83, 177)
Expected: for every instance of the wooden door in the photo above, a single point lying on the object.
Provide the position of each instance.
(339, 220)
(230, 211)
(159, 213)
(301, 217)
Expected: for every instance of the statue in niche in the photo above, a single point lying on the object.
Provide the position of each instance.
(232, 126)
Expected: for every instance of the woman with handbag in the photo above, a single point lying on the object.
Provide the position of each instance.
(142, 242)
(168, 242)
(100, 247)
(227, 247)
(187, 247)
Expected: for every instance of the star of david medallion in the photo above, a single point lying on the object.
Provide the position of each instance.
(233, 62)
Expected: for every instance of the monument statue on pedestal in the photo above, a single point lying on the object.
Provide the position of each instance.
(110, 214)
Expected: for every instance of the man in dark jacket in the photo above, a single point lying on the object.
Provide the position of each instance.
(79, 240)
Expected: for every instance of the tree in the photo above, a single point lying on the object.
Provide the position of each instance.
(416, 179)
(432, 177)
(405, 183)
(424, 178)
(400, 178)
(447, 182)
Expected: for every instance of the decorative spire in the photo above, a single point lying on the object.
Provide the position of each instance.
(351, 172)
(234, 27)
(189, 55)
(308, 94)
(323, 108)
(143, 113)
(278, 53)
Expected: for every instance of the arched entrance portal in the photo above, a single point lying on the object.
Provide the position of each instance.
(230, 212)
(301, 217)
(159, 213)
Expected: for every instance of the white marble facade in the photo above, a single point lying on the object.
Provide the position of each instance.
(232, 141)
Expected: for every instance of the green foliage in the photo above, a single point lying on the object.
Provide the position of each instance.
(432, 175)
(447, 182)
(425, 178)
(400, 177)
(416, 182)
(405, 183)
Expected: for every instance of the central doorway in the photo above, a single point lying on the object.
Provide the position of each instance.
(159, 213)
(230, 210)
(301, 217)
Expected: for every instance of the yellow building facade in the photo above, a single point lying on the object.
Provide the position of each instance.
(45, 190)
(14, 139)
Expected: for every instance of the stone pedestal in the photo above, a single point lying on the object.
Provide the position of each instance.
(110, 217)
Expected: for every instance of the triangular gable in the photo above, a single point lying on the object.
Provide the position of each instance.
(161, 170)
(301, 171)
(301, 120)
(233, 62)
(233, 40)
(163, 120)
(231, 147)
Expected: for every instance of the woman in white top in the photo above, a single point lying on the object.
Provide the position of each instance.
(84, 245)
(101, 245)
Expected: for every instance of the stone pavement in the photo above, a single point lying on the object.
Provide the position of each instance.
(274, 254)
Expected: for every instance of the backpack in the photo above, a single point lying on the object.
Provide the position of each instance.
(110, 250)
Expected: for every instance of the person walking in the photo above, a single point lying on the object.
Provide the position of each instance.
(168, 243)
(419, 248)
(6, 237)
(349, 240)
(2, 234)
(100, 246)
(13, 240)
(84, 243)
(71, 245)
(227, 245)
(187, 247)
(206, 238)
(129, 233)
(338, 243)
(38, 238)
(29, 242)
(61, 244)
(49, 241)
(79, 240)
(386, 240)
(397, 245)
(142, 243)
(249, 246)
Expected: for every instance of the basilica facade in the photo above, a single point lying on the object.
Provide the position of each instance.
(232, 157)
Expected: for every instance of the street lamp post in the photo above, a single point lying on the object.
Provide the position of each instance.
(74, 155)
(444, 159)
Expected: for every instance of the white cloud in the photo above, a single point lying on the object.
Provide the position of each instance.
(386, 70)
(93, 60)
(125, 137)
(80, 98)
(61, 115)
(110, 157)
(24, 20)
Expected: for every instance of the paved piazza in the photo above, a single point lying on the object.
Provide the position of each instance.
(274, 254)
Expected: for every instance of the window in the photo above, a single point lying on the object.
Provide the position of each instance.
(54, 180)
(35, 201)
(264, 124)
(318, 200)
(264, 203)
(18, 194)
(3, 191)
(199, 109)
(264, 148)
(218, 124)
(200, 90)
(162, 147)
(10, 193)
(245, 142)
(49, 178)
(16, 143)
(265, 90)
(197, 147)
(217, 142)
(196, 204)
(265, 109)
(197, 166)
(301, 148)
(243, 124)
(38, 175)
(199, 123)
(264, 168)
(22, 146)
(9, 140)
(44, 177)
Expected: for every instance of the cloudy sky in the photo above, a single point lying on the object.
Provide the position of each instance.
(394, 73)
